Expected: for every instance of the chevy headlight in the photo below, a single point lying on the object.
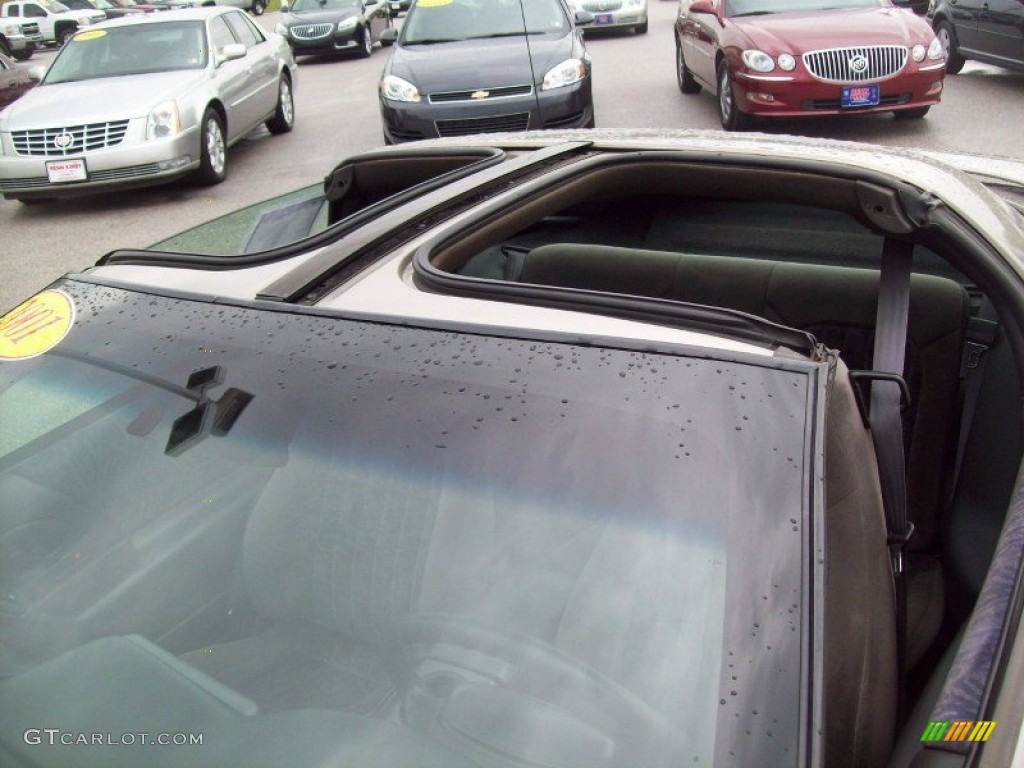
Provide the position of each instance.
(347, 25)
(163, 121)
(10, 30)
(759, 61)
(396, 89)
(568, 72)
(786, 62)
(935, 49)
(282, 30)
(917, 52)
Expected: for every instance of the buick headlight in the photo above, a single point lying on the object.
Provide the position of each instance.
(759, 61)
(935, 49)
(347, 25)
(568, 72)
(163, 121)
(786, 62)
(282, 30)
(397, 89)
(917, 52)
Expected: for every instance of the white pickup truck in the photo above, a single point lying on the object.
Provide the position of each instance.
(19, 38)
(57, 23)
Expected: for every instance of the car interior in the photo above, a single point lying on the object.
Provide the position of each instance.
(805, 251)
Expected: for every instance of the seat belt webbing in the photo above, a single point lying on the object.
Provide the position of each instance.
(886, 423)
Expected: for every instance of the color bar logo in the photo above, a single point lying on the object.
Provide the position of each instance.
(958, 730)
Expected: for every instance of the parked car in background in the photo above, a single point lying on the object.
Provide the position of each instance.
(146, 99)
(15, 81)
(57, 23)
(791, 58)
(132, 5)
(109, 9)
(562, 450)
(615, 14)
(991, 31)
(461, 67)
(19, 38)
(328, 27)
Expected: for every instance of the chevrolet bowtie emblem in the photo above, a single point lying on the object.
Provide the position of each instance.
(479, 94)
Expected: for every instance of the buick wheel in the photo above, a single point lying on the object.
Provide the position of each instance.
(366, 47)
(733, 119)
(213, 153)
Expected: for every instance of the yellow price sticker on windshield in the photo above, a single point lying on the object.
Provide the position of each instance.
(92, 34)
(432, 3)
(36, 326)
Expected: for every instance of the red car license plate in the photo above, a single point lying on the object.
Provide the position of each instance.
(860, 96)
(603, 18)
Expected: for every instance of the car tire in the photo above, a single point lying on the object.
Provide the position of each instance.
(687, 84)
(728, 112)
(64, 35)
(947, 37)
(366, 44)
(641, 29)
(258, 7)
(914, 113)
(213, 150)
(24, 54)
(284, 115)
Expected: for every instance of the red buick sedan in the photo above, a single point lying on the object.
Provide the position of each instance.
(786, 58)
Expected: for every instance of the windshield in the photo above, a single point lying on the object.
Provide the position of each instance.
(762, 7)
(436, 21)
(298, 532)
(322, 5)
(130, 50)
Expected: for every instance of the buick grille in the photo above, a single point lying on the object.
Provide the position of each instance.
(856, 65)
(311, 31)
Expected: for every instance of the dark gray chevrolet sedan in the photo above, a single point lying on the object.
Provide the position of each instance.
(465, 66)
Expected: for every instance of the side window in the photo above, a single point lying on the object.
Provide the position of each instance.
(35, 12)
(243, 29)
(220, 34)
(12, 10)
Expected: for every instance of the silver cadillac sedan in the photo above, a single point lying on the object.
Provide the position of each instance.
(140, 101)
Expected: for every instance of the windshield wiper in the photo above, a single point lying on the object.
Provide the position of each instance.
(432, 40)
(520, 33)
(753, 13)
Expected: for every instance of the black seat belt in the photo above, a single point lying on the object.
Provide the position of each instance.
(981, 334)
(887, 425)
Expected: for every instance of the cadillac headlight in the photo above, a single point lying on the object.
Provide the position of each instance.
(282, 30)
(396, 89)
(568, 72)
(164, 121)
(759, 61)
(347, 25)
